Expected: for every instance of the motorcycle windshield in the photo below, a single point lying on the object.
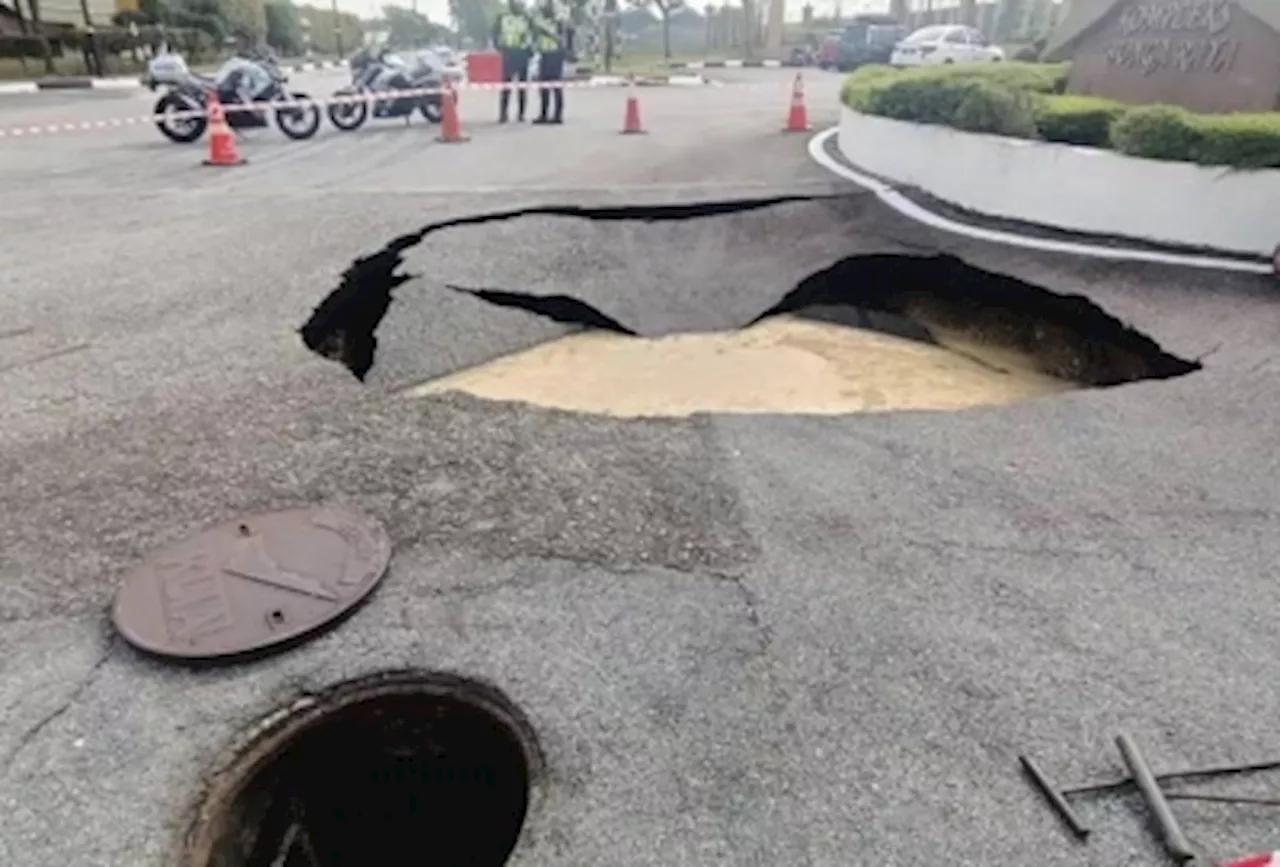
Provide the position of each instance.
(233, 65)
(248, 78)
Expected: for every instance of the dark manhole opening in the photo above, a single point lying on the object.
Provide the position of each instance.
(394, 771)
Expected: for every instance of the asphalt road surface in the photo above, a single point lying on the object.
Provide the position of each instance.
(742, 640)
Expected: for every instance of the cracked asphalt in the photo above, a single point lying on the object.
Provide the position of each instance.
(742, 640)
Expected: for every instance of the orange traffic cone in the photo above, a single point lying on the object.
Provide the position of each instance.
(631, 120)
(798, 116)
(222, 141)
(450, 125)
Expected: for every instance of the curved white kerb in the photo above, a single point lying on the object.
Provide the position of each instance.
(1075, 189)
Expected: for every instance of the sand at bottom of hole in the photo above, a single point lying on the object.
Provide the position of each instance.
(781, 365)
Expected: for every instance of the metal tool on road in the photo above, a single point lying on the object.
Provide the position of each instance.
(1148, 784)
(1175, 841)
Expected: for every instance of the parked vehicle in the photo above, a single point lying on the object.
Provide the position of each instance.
(869, 39)
(801, 55)
(827, 48)
(947, 43)
(379, 71)
(241, 81)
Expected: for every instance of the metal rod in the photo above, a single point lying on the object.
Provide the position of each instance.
(1054, 797)
(1201, 773)
(1222, 799)
(286, 845)
(1174, 840)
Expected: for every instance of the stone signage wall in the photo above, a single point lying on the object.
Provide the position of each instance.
(1206, 55)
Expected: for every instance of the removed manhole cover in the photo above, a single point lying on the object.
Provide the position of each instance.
(251, 584)
(395, 770)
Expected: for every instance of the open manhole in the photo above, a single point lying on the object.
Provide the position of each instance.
(400, 769)
(871, 333)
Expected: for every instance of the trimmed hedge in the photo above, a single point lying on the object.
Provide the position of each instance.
(1077, 120)
(1159, 132)
(998, 98)
(1026, 100)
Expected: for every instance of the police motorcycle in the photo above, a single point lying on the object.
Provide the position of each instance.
(378, 71)
(251, 77)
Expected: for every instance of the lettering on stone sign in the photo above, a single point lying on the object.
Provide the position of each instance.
(1209, 17)
(194, 600)
(1187, 56)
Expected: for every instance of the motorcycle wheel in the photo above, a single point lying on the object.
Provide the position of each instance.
(348, 116)
(180, 131)
(433, 108)
(301, 121)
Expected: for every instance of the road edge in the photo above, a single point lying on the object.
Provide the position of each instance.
(894, 199)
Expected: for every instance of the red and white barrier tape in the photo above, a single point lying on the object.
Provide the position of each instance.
(1263, 859)
(110, 123)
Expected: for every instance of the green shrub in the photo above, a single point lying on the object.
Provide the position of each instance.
(922, 99)
(1247, 141)
(992, 108)
(1161, 132)
(1077, 120)
(1032, 77)
(977, 97)
(1025, 100)
(861, 80)
(1029, 77)
(1157, 132)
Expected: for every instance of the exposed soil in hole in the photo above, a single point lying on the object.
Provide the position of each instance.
(397, 770)
(870, 333)
(784, 364)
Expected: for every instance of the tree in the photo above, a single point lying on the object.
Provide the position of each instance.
(665, 8)
(409, 29)
(284, 27)
(473, 19)
(1010, 15)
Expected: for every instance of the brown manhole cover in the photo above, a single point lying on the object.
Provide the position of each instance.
(398, 769)
(248, 585)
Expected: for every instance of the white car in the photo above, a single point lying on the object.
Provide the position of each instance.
(947, 43)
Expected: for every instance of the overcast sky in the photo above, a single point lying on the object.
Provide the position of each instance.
(438, 10)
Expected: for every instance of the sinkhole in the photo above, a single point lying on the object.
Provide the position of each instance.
(397, 769)
(870, 333)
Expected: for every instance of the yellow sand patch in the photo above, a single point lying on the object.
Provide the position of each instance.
(781, 365)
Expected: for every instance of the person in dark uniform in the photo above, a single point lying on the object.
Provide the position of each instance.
(513, 37)
(553, 38)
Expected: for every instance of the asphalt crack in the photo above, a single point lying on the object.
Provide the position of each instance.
(30, 735)
(558, 308)
(343, 326)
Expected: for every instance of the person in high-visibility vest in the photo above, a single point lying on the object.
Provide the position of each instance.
(553, 37)
(513, 37)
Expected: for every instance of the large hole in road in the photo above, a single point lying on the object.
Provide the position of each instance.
(870, 333)
(395, 770)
